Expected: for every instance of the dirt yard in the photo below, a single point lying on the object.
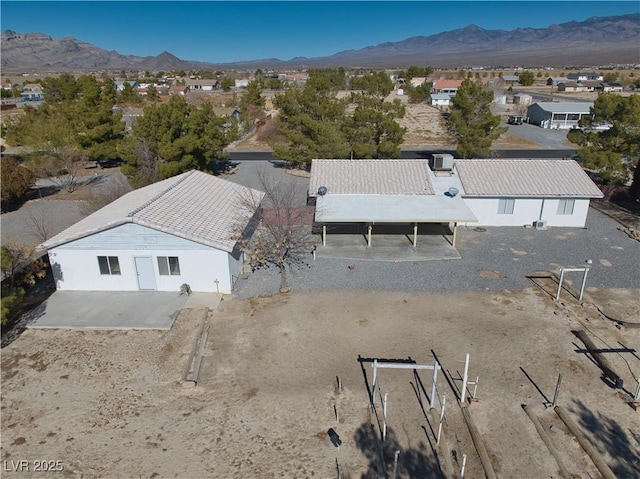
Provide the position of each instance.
(110, 404)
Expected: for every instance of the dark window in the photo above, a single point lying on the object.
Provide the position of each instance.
(109, 265)
(168, 266)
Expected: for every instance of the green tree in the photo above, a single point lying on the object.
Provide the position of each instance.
(471, 122)
(152, 94)
(252, 103)
(526, 78)
(63, 89)
(311, 121)
(128, 95)
(611, 77)
(226, 84)
(21, 269)
(175, 137)
(16, 180)
(613, 153)
(420, 93)
(372, 129)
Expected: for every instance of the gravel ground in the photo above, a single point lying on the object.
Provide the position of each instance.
(496, 259)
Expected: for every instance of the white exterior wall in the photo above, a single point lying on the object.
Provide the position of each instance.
(77, 270)
(75, 264)
(526, 211)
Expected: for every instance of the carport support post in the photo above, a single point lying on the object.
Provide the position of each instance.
(415, 234)
(324, 235)
(369, 235)
(455, 232)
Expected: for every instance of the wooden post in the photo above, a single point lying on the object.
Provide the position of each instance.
(415, 234)
(547, 441)
(600, 358)
(478, 443)
(585, 444)
(324, 235)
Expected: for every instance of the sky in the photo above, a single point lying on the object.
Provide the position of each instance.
(224, 32)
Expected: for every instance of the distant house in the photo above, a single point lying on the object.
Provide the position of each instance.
(120, 84)
(522, 99)
(572, 86)
(558, 115)
(242, 83)
(446, 86)
(511, 79)
(31, 96)
(179, 90)
(441, 99)
(555, 81)
(612, 87)
(174, 232)
(582, 76)
(201, 84)
(417, 81)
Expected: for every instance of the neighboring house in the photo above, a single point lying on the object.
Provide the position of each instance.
(573, 86)
(446, 86)
(417, 81)
(242, 83)
(441, 99)
(31, 96)
(384, 194)
(555, 81)
(522, 99)
(524, 192)
(558, 115)
(582, 76)
(120, 84)
(202, 84)
(178, 231)
(511, 79)
(612, 87)
(180, 90)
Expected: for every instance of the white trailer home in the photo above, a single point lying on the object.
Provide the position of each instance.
(182, 230)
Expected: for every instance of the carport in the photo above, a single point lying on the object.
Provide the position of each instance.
(392, 210)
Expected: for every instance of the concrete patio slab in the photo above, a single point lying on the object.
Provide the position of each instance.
(107, 310)
(396, 248)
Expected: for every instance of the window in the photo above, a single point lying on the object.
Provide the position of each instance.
(505, 206)
(168, 266)
(109, 265)
(565, 207)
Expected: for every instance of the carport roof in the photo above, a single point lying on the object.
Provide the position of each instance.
(392, 209)
(194, 205)
(566, 107)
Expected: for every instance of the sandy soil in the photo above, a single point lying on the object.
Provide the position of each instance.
(110, 404)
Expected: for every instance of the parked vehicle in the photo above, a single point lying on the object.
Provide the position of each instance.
(515, 120)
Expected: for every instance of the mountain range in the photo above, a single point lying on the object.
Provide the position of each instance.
(595, 41)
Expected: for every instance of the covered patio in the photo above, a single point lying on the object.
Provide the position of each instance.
(415, 223)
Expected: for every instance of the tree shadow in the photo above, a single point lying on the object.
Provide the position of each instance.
(29, 310)
(607, 436)
(412, 462)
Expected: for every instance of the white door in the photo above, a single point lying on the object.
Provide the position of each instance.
(146, 274)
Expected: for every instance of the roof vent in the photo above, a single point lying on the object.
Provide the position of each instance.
(451, 192)
(322, 191)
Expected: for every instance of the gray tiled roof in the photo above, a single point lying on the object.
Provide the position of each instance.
(566, 107)
(194, 205)
(371, 177)
(525, 178)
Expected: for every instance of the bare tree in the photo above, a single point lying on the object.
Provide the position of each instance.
(60, 164)
(281, 238)
(113, 188)
(148, 163)
(41, 224)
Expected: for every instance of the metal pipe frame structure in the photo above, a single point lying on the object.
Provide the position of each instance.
(570, 270)
(376, 365)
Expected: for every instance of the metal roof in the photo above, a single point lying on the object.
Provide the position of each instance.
(378, 177)
(565, 107)
(392, 209)
(194, 205)
(563, 178)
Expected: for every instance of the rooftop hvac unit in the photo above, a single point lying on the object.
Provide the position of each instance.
(540, 225)
(442, 162)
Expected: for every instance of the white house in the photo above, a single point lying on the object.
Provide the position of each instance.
(582, 76)
(178, 231)
(558, 115)
(526, 192)
(441, 99)
(418, 192)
